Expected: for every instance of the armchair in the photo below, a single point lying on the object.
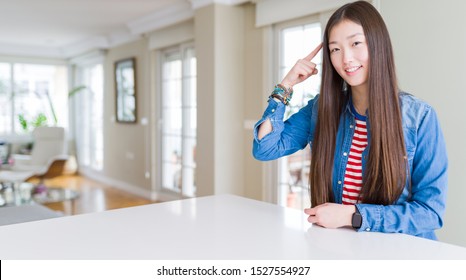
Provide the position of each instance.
(54, 168)
(49, 145)
(49, 142)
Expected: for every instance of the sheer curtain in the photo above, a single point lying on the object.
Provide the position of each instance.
(87, 114)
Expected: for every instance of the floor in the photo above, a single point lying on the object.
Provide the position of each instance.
(93, 196)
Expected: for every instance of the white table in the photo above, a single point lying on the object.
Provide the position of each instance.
(215, 227)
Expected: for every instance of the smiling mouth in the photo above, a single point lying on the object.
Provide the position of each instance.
(352, 69)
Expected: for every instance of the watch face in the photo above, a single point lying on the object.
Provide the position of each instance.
(357, 220)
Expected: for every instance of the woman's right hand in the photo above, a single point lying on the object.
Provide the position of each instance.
(303, 69)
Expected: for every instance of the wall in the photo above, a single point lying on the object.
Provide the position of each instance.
(429, 38)
(205, 47)
(126, 149)
(220, 66)
(253, 101)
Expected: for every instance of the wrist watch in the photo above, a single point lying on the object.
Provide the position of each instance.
(356, 220)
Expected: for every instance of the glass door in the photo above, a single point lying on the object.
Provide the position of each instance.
(295, 42)
(179, 121)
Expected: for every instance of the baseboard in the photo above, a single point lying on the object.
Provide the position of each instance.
(136, 190)
(166, 196)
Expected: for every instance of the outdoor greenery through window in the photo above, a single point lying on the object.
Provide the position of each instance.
(32, 95)
(296, 42)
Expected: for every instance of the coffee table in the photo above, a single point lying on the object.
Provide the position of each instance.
(22, 193)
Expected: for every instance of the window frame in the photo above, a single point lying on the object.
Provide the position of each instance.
(12, 135)
(278, 193)
(162, 192)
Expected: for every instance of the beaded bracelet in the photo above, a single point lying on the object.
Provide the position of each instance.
(282, 93)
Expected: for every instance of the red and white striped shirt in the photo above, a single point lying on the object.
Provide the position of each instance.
(353, 174)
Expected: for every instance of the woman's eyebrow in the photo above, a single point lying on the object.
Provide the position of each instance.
(349, 37)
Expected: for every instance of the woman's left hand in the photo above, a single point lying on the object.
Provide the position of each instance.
(331, 215)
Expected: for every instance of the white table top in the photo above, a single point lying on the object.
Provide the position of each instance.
(214, 227)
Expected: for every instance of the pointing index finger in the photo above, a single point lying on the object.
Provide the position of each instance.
(310, 56)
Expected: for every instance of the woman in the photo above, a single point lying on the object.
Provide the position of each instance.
(379, 161)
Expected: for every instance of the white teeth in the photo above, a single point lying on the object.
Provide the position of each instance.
(352, 69)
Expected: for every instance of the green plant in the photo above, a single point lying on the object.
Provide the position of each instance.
(51, 108)
(23, 122)
(75, 90)
(39, 120)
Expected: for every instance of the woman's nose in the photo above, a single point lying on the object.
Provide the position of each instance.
(347, 56)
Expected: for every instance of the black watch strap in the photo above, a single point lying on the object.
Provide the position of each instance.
(356, 220)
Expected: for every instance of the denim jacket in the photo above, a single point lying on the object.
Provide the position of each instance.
(421, 206)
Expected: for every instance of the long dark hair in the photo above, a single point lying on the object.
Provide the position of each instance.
(385, 174)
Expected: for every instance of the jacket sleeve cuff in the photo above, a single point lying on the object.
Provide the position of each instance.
(371, 217)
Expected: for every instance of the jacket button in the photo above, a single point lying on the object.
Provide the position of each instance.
(273, 110)
(345, 154)
(368, 229)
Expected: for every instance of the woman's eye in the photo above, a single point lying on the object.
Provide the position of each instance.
(356, 43)
(334, 50)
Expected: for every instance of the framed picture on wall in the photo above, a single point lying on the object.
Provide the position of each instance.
(125, 86)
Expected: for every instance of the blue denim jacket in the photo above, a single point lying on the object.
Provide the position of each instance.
(420, 208)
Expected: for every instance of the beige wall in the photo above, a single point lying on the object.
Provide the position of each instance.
(125, 145)
(253, 102)
(219, 33)
(429, 38)
(205, 49)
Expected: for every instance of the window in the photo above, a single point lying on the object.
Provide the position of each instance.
(296, 42)
(89, 116)
(6, 102)
(37, 93)
(179, 120)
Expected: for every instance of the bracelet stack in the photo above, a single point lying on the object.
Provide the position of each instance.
(282, 93)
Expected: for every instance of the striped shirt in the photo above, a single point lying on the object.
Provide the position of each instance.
(353, 174)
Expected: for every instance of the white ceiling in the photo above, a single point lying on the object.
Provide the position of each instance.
(64, 28)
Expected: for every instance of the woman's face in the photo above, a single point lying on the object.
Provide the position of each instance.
(349, 53)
